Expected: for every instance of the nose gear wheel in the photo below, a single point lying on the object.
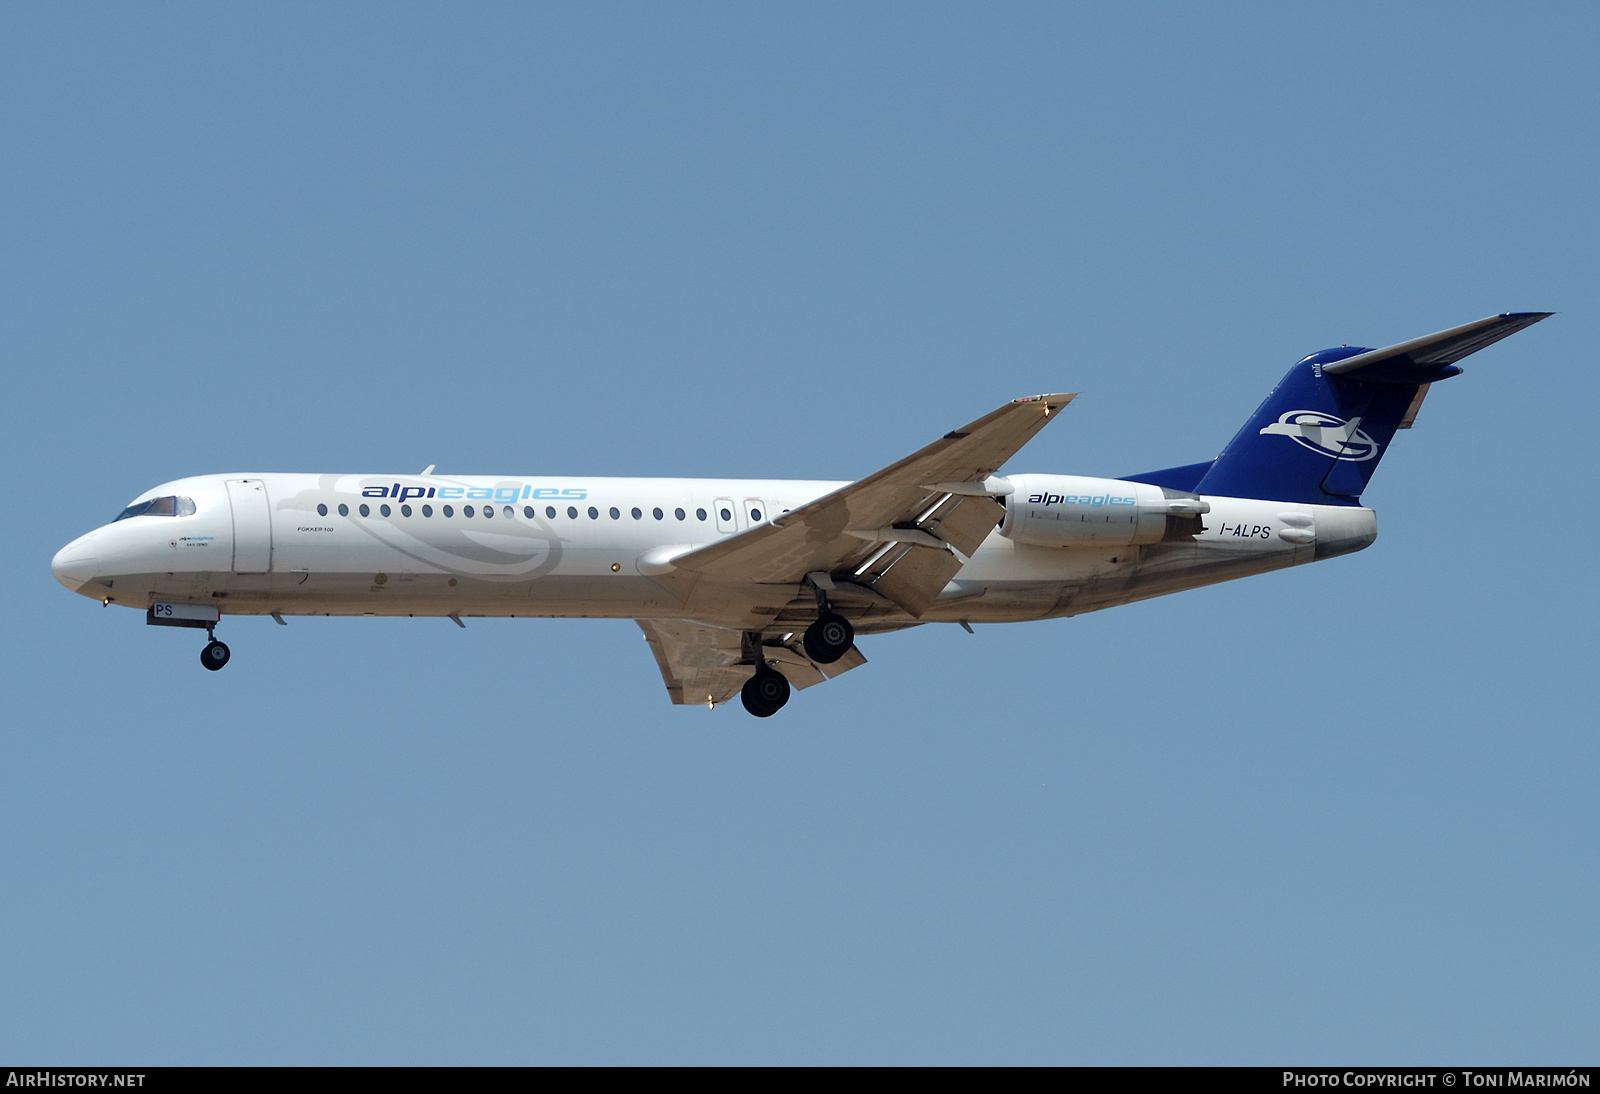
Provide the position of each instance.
(215, 655)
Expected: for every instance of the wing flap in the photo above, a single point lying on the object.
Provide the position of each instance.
(916, 576)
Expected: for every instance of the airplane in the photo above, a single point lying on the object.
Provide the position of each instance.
(757, 587)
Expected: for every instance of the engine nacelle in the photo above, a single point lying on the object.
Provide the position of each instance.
(1074, 511)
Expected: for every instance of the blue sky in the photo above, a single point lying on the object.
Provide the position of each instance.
(1343, 813)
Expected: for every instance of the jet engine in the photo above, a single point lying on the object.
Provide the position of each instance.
(1074, 511)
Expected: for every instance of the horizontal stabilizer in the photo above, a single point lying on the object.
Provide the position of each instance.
(1432, 357)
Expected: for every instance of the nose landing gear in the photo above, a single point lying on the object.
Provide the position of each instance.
(205, 616)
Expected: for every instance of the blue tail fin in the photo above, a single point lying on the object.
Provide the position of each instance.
(1316, 439)
(1320, 434)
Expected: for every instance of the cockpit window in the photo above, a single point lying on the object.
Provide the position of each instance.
(169, 506)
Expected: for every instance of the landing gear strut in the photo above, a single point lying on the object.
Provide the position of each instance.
(767, 689)
(765, 693)
(831, 636)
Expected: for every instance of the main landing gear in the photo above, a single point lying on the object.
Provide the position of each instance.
(825, 641)
(767, 689)
(831, 636)
(765, 693)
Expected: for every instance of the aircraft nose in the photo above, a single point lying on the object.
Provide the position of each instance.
(76, 563)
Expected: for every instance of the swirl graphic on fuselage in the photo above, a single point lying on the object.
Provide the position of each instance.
(514, 547)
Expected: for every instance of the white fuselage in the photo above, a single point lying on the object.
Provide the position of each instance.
(301, 544)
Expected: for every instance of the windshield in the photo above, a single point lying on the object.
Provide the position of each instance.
(169, 506)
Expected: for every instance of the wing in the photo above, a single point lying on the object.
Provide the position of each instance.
(897, 531)
(702, 664)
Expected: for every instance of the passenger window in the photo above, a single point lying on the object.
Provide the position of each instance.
(614, 514)
(594, 514)
(508, 512)
(488, 512)
(364, 510)
(726, 514)
(755, 514)
(527, 511)
(384, 509)
(572, 512)
(405, 510)
(468, 511)
(550, 512)
(700, 513)
(344, 510)
(427, 510)
(637, 515)
(658, 514)
(681, 515)
(322, 510)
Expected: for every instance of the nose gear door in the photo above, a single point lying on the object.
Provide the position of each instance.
(252, 526)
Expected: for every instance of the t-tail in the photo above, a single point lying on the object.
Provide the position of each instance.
(1319, 436)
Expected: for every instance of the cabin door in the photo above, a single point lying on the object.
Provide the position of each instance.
(252, 526)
